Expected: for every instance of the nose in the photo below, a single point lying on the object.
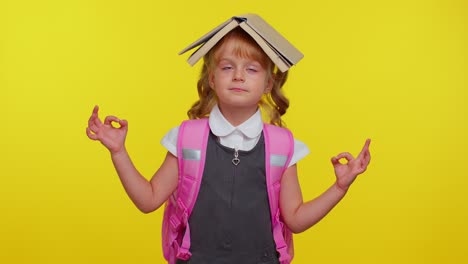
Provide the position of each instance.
(238, 76)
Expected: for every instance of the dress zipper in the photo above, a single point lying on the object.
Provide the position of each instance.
(236, 159)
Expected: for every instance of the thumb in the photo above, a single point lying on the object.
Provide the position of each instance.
(123, 124)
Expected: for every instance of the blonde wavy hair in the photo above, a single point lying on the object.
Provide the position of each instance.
(274, 104)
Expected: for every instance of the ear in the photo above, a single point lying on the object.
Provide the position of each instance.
(269, 85)
(211, 80)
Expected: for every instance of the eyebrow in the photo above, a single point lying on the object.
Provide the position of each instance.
(249, 61)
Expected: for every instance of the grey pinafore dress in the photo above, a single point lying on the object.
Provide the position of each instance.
(230, 222)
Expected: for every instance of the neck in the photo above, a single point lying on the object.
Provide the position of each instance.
(237, 115)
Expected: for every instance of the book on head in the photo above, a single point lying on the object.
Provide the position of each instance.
(277, 48)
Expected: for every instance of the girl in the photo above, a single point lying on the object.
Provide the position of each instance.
(230, 219)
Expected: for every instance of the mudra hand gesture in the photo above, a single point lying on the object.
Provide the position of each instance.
(113, 138)
(347, 173)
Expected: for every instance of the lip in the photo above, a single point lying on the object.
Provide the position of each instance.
(237, 89)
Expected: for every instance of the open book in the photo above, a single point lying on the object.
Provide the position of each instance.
(280, 51)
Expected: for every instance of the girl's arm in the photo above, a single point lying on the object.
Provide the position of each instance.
(146, 195)
(300, 216)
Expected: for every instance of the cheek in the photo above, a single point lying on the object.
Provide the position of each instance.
(263, 81)
(221, 78)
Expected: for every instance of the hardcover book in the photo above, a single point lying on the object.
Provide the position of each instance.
(278, 49)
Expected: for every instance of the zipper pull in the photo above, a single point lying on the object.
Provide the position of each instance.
(236, 159)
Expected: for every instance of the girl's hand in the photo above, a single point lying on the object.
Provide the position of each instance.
(113, 138)
(347, 173)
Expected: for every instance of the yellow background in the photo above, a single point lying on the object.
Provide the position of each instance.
(394, 71)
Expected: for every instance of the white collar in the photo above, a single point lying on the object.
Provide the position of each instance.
(251, 128)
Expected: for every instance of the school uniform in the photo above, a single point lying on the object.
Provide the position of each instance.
(230, 222)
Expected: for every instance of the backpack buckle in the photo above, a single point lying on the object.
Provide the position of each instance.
(184, 255)
(283, 253)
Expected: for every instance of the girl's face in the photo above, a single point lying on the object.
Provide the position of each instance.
(238, 81)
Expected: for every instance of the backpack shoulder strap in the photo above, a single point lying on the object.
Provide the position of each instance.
(279, 149)
(191, 153)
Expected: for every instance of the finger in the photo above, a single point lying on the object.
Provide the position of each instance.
(93, 128)
(96, 109)
(364, 162)
(364, 165)
(344, 155)
(362, 168)
(94, 114)
(94, 118)
(110, 119)
(365, 149)
(91, 135)
(366, 157)
(94, 123)
(123, 124)
(335, 161)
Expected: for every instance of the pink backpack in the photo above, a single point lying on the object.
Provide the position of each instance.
(191, 150)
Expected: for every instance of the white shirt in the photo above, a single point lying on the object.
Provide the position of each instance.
(243, 137)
